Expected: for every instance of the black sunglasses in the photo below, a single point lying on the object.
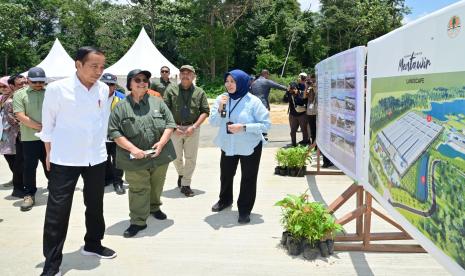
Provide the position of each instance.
(37, 82)
(164, 71)
(137, 80)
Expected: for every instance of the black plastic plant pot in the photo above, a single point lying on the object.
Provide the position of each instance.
(283, 171)
(310, 251)
(294, 246)
(324, 249)
(330, 243)
(302, 171)
(276, 169)
(284, 238)
(293, 172)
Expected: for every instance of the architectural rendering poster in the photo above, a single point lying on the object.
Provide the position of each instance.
(340, 122)
(416, 131)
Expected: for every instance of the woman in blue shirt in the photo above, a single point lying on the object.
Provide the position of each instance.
(241, 118)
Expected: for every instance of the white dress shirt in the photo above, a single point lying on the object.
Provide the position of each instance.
(74, 120)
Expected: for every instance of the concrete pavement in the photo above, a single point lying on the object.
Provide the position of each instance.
(193, 240)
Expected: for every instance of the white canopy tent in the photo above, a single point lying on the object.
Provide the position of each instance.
(142, 55)
(57, 64)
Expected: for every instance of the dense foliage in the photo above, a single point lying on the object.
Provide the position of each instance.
(212, 35)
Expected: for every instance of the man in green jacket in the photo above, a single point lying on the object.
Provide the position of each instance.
(189, 106)
(163, 82)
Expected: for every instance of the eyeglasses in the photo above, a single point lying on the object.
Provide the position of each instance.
(165, 71)
(37, 82)
(137, 80)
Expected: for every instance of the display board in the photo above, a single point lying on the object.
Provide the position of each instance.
(340, 81)
(416, 131)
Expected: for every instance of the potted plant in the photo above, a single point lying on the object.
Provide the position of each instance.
(303, 158)
(294, 223)
(310, 248)
(281, 158)
(330, 228)
(309, 227)
(293, 160)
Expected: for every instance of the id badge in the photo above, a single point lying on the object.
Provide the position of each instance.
(227, 130)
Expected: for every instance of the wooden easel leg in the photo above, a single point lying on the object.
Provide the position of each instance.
(359, 220)
(367, 220)
(362, 215)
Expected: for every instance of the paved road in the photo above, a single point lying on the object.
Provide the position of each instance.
(278, 136)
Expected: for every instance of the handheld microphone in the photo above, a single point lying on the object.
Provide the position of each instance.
(223, 111)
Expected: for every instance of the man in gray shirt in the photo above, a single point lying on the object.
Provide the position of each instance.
(261, 87)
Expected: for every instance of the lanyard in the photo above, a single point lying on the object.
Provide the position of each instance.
(234, 107)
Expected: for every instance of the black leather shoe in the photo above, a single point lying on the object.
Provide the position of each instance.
(243, 219)
(159, 215)
(179, 181)
(133, 230)
(119, 189)
(187, 191)
(220, 206)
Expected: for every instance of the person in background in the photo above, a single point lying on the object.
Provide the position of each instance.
(17, 82)
(261, 88)
(74, 130)
(189, 106)
(10, 145)
(297, 113)
(310, 94)
(27, 106)
(302, 81)
(241, 118)
(140, 123)
(160, 84)
(113, 175)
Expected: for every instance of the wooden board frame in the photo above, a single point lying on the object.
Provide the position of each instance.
(362, 238)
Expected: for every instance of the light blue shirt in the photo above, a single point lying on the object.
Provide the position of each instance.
(250, 112)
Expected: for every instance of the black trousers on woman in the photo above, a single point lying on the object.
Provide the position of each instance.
(16, 165)
(61, 185)
(249, 170)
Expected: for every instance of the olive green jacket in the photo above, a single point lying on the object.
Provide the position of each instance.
(143, 125)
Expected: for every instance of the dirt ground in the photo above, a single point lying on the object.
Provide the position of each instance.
(278, 114)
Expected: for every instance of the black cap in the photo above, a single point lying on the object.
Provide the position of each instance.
(293, 85)
(134, 73)
(109, 78)
(36, 74)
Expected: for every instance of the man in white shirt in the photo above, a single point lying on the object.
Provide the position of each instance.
(74, 132)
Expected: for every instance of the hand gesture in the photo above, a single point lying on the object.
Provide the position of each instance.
(137, 153)
(235, 128)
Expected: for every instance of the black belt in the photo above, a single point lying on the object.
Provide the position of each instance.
(184, 124)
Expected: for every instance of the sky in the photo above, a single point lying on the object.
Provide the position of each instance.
(419, 8)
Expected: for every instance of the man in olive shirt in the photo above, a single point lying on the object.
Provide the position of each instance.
(27, 106)
(161, 84)
(189, 106)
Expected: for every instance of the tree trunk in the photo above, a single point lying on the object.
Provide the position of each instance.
(6, 64)
(212, 43)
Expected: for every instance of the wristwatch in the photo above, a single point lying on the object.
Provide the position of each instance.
(193, 125)
(244, 128)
